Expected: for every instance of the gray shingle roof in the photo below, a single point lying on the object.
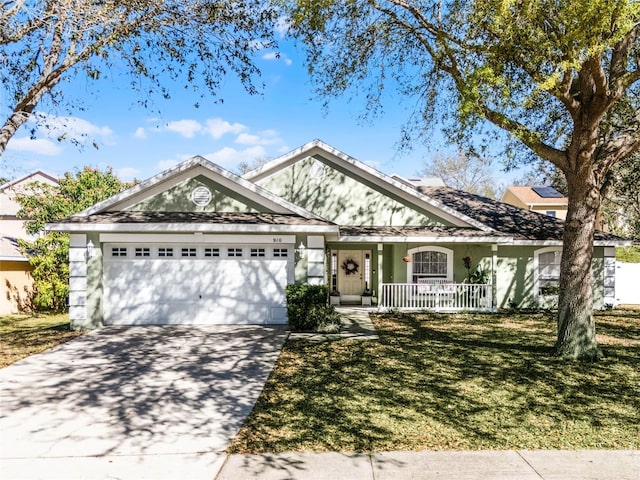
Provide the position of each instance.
(504, 218)
(194, 217)
(430, 231)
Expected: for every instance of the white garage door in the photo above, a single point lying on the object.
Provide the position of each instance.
(195, 284)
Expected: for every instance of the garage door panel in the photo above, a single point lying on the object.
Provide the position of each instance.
(177, 291)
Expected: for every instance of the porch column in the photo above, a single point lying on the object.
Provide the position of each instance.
(609, 279)
(494, 277)
(380, 272)
(78, 281)
(315, 260)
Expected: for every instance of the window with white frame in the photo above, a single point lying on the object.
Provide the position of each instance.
(367, 271)
(143, 252)
(119, 252)
(430, 263)
(211, 252)
(257, 252)
(165, 251)
(189, 252)
(280, 252)
(547, 270)
(234, 252)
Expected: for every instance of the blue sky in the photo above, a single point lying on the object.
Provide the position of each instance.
(139, 142)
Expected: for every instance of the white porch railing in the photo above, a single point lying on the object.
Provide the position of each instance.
(436, 296)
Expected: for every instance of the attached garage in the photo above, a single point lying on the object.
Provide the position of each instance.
(172, 284)
(194, 245)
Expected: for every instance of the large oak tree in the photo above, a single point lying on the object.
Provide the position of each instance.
(555, 75)
(154, 42)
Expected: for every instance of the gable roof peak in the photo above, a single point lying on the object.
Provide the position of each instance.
(180, 169)
(402, 187)
(24, 179)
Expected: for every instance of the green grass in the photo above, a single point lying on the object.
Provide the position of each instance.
(452, 382)
(24, 335)
(628, 254)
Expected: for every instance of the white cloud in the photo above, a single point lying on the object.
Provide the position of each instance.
(163, 165)
(217, 127)
(71, 128)
(277, 56)
(269, 137)
(127, 173)
(229, 157)
(39, 146)
(140, 133)
(186, 128)
(247, 139)
(282, 26)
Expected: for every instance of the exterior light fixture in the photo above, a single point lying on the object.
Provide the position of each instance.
(301, 250)
(90, 249)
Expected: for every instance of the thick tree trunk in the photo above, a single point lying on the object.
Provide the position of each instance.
(576, 325)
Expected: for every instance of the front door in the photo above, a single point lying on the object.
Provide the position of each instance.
(351, 272)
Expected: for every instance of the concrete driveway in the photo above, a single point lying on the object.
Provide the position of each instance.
(133, 402)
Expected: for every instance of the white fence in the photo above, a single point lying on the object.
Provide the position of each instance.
(627, 278)
(437, 296)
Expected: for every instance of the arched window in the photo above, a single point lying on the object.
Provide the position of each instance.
(430, 263)
(546, 267)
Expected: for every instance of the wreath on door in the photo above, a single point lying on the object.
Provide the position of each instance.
(350, 267)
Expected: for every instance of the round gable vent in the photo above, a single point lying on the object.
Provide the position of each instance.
(201, 196)
(317, 170)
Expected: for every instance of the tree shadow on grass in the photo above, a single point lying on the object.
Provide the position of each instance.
(442, 383)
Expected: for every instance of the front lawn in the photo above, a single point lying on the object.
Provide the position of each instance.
(451, 382)
(24, 335)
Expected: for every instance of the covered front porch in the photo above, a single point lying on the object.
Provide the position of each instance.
(439, 297)
(412, 275)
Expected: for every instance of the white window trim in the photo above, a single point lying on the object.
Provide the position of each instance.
(536, 272)
(428, 248)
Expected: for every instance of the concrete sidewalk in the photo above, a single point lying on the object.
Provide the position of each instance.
(356, 325)
(429, 465)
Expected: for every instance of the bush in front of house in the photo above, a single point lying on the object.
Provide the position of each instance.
(308, 309)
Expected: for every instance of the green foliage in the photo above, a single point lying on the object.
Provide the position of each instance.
(516, 64)
(49, 252)
(480, 276)
(49, 257)
(307, 308)
(41, 203)
(628, 254)
(621, 206)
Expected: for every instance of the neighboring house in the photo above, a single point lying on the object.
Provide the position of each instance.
(545, 200)
(198, 244)
(16, 284)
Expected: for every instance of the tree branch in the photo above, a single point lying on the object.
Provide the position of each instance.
(620, 77)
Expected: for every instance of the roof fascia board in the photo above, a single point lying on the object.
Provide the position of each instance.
(195, 238)
(543, 204)
(370, 174)
(13, 259)
(425, 239)
(184, 170)
(187, 227)
(596, 243)
(27, 177)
